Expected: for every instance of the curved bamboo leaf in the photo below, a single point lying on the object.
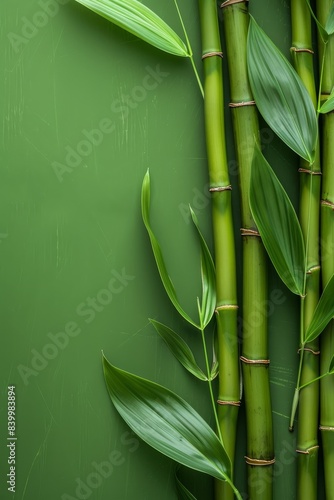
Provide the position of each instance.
(182, 492)
(328, 105)
(331, 366)
(166, 422)
(215, 365)
(280, 94)
(167, 282)
(278, 224)
(323, 313)
(214, 370)
(139, 20)
(329, 27)
(207, 307)
(179, 348)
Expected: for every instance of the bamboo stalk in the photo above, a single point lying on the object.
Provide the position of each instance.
(224, 250)
(327, 256)
(260, 447)
(307, 440)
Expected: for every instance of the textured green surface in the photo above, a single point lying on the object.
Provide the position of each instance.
(63, 238)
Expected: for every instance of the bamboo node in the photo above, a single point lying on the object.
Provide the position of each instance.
(226, 306)
(295, 49)
(326, 428)
(327, 203)
(254, 361)
(307, 171)
(259, 462)
(231, 2)
(218, 189)
(308, 349)
(241, 104)
(249, 232)
(307, 452)
(230, 403)
(312, 269)
(212, 54)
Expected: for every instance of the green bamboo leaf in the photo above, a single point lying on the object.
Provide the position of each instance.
(215, 365)
(167, 282)
(323, 313)
(328, 105)
(141, 21)
(214, 370)
(280, 94)
(329, 27)
(207, 307)
(331, 366)
(182, 492)
(166, 422)
(278, 224)
(179, 348)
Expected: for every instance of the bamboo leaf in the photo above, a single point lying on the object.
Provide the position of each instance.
(280, 94)
(215, 364)
(135, 17)
(182, 492)
(331, 366)
(278, 224)
(329, 27)
(208, 304)
(323, 313)
(214, 370)
(328, 105)
(179, 348)
(167, 282)
(166, 422)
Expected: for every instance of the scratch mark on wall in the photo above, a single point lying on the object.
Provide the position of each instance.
(46, 404)
(281, 415)
(35, 147)
(40, 449)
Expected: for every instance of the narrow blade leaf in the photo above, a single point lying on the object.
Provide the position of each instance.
(330, 22)
(208, 275)
(166, 422)
(323, 313)
(278, 224)
(182, 492)
(179, 348)
(167, 282)
(331, 366)
(141, 21)
(328, 105)
(214, 370)
(280, 94)
(215, 364)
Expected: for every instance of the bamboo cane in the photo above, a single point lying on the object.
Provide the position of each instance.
(307, 441)
(327, 257)
(260, 448)
(224, 251)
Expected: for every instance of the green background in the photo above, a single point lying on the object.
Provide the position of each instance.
(67, 229)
